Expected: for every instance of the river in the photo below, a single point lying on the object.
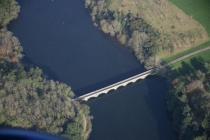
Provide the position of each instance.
(59, 37)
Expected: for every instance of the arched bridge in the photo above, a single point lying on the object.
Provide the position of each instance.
(115, 86)
(135, 78)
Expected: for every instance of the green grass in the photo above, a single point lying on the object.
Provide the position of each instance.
(206, 56)
(198, 9)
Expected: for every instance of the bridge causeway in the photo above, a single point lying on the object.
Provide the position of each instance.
(115, 86)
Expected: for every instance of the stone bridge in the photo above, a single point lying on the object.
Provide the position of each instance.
(115, 86)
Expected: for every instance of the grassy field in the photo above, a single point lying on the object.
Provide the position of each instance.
(200, 11)
(176, 27)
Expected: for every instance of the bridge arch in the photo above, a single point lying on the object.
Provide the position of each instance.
(115, 86)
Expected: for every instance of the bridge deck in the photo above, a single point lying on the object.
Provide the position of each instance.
(115, 84)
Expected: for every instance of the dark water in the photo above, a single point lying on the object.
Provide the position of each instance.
(133, 113)
(19, 134)
(58, 36)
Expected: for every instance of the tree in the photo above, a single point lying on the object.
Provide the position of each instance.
(9, 10)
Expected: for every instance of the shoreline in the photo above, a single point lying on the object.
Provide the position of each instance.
(23, 61)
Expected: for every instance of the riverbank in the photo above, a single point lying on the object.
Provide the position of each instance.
(152, 37)
(188, 99)
(184, 38)
(28, 99)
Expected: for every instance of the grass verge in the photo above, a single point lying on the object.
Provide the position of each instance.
(171, 58)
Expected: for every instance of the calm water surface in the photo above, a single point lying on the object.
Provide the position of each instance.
(58, 36)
